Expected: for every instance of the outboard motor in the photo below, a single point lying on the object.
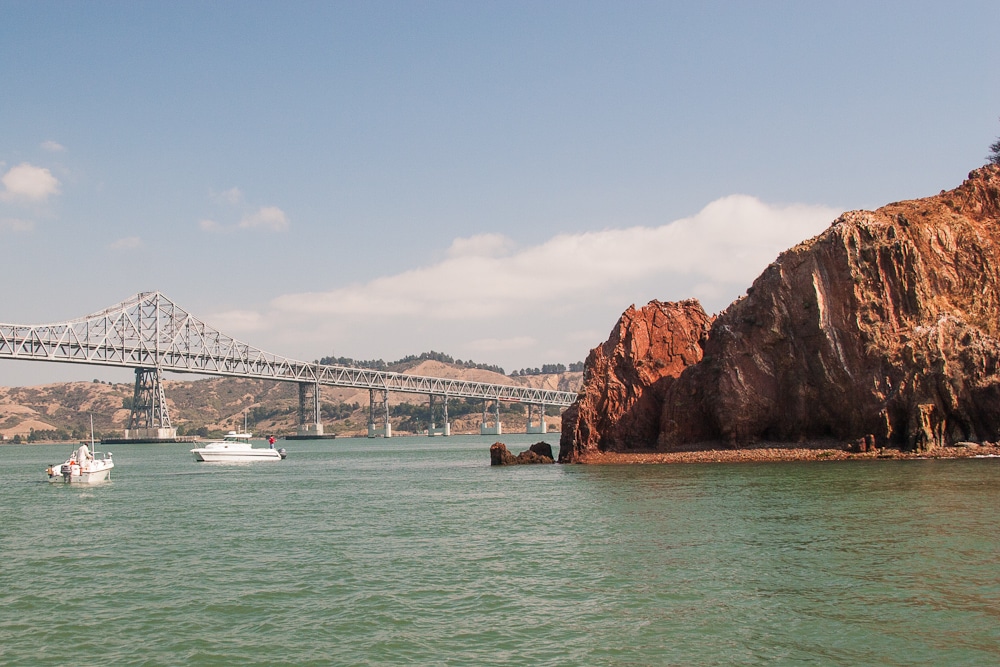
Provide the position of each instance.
(282, 452)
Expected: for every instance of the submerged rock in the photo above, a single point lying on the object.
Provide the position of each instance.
(885, 325)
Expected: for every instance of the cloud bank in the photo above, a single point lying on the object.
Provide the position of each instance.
(721, 250)
(527, 305)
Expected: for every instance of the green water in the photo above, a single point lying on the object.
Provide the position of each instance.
(415, 551)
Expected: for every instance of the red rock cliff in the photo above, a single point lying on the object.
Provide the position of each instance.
(626, 378)
(886, 324)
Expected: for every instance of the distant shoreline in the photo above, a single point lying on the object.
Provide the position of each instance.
(776, 452)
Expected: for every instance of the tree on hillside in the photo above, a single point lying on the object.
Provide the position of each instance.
(994, 156)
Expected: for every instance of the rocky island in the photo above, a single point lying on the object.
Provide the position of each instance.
(880, 335)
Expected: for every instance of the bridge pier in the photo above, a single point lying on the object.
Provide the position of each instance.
(149, 419)
(484, 426)
(541, 426)
(307, 428)
(445, 429)
(378, 407)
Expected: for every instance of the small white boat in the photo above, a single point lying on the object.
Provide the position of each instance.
(235, 448)
(84, 466)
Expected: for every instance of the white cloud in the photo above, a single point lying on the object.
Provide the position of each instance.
(231, 204)
(53, 146)
(267, 217)
(545, 303)
(26, 182)
(16, 225)
(482, 245)
(721, 249)
(233, 196)
(127, 243)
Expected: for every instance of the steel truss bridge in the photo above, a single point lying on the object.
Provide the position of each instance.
(150, 333)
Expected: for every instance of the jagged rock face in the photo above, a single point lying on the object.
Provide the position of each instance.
(886, 324)
(540, 452)
(626, 378)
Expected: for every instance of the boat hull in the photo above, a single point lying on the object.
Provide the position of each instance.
(235, 448)
(222, 456)
(67, 474)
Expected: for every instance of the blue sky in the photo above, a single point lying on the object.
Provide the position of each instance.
(495, 180)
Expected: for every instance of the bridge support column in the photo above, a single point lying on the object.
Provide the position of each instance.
(484, 426)
(540, 427)
(445, 428)
(447, 424)
(378, 407)
(309, 415)
(149, 419)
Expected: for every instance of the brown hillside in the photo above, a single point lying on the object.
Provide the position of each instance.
(218, 404)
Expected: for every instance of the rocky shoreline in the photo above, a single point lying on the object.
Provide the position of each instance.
(776, 452)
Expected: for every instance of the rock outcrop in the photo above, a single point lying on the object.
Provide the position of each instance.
(540, 452)
(885, 327)
(626, 378)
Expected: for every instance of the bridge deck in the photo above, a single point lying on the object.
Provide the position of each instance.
(150, 331)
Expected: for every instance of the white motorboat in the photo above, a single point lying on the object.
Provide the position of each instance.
(236, 448)
(84, 466)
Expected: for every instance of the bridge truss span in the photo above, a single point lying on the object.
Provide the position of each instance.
(149, 331)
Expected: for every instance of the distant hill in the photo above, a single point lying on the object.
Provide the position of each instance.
(209, 407)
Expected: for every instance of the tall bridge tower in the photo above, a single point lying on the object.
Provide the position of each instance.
(149, 418)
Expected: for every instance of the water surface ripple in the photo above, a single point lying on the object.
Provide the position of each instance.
(415, 551)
